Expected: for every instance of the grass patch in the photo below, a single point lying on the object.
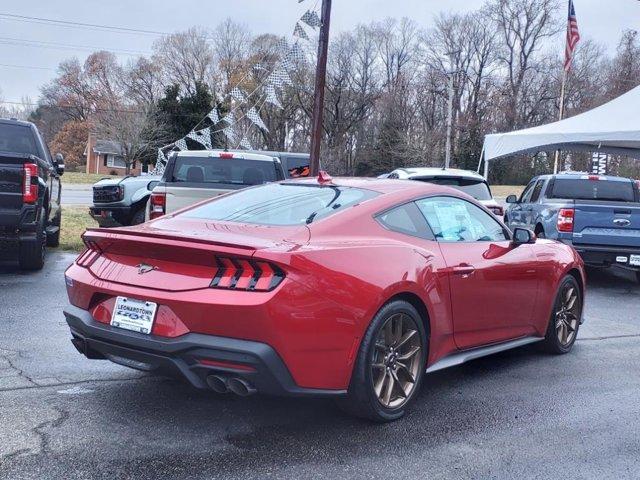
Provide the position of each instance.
(81, 177)
(75, 220)
(504, 190)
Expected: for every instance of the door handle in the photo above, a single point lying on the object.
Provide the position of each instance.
(464, 270)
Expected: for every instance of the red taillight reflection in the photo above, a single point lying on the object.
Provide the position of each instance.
(241, 274)
(565, 219)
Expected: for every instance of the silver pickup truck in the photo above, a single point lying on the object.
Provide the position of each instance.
(193, 176)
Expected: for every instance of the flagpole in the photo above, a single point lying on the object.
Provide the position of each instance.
(562, 95)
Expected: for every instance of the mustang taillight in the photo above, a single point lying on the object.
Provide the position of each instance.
(90, 255)
(241, 274)
(157, 205)
(29, 187)
(565, 219)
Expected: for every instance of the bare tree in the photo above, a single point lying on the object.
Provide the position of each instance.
(523, 26)
(186, 58)
(137, 132)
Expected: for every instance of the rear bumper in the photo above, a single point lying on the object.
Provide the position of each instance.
(16, 226)
(256, 362)
(112, 217)
(606, 255)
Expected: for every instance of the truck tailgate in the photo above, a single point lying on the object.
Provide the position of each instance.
(606, 223)
(11, 178)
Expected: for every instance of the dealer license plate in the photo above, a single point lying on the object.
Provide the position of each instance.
(634, 260)
(134, 315)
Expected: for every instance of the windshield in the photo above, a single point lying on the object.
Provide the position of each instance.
(17, 139)
(281, 204)
(478, 189)
(234, 171)
(584, 189)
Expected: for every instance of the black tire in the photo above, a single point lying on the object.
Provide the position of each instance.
(552, 340)
(138, 217)
(53, 239)
(32, 254)
(638, 275)
(540, 232)
(361, 400)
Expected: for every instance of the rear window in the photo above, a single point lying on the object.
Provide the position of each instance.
(478, 189)
(583, 189)
(281, 204)
(17, 139)
(215, 170)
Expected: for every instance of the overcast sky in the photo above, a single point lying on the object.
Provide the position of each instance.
(601, 20)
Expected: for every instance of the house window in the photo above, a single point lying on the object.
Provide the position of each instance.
(115, 162)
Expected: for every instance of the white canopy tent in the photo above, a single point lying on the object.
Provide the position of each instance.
(611, 128)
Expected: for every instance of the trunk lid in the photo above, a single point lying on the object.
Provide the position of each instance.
(177, 254)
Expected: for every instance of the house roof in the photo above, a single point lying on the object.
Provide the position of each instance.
(108, 146)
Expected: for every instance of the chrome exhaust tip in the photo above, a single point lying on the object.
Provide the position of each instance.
(217, 383)
(240, 387)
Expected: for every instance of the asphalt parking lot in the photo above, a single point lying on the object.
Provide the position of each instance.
(520, 414)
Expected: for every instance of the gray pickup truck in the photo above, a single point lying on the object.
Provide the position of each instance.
(121, 201)
(599, 215)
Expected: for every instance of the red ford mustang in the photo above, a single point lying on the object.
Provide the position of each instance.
(347, 288)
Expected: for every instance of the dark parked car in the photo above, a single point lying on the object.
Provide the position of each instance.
(599, 215)
(30, 190)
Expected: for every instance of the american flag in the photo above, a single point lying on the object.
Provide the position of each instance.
(573, 37)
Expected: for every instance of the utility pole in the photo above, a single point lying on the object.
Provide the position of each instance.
(447, 160)
(318, 97)
(452, 72)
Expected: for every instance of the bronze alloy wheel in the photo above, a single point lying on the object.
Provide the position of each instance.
(567, 317)
(396, 362)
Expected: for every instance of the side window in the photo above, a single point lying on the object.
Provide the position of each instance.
(393, 176)
(524, 198)
(297, 166)
(455, 220)
(405, 219)
(535, 194)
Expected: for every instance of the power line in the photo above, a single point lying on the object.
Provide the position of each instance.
(64, 46)
(33, 67)
(70, 24)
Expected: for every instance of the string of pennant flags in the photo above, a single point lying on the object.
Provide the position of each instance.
(243, 107)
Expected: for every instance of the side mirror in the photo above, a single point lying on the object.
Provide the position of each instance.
(59, 163)
(153, 184)
(523, 236)
(512, 199)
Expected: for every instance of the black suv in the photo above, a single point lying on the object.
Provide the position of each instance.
(30, 190)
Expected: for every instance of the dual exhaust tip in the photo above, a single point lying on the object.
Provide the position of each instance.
(222, 384)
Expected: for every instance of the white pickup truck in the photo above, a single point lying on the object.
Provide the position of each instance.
(193, 176)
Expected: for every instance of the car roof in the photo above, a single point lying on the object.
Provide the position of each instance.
(418, 172)
(216, 154)
(580, 176)
(15, 121)
(379, 185)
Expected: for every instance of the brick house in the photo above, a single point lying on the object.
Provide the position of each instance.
(106, 156)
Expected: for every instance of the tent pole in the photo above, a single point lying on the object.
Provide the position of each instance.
(562, 95)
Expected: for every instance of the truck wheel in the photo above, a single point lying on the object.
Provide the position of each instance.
(138, 217)
(32, 253)
(53, 239)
